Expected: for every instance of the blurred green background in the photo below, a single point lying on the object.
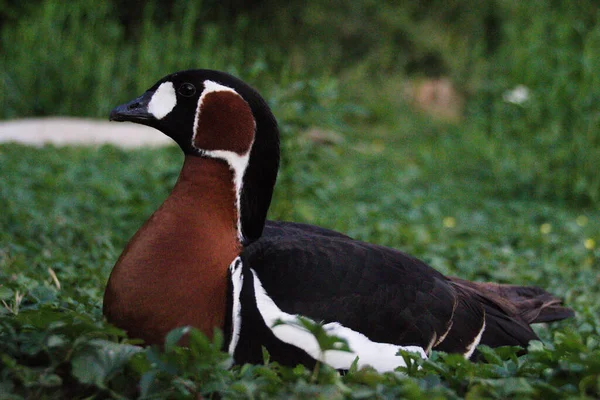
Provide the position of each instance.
(509, 88)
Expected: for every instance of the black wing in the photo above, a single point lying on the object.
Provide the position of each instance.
(383, 293)
(388, 296)
(507, 307)
(286, 228)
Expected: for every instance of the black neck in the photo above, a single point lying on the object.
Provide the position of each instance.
(261, 173)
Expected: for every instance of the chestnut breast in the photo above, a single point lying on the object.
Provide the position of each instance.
(173, 272)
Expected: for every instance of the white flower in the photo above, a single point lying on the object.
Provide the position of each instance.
(518, 95)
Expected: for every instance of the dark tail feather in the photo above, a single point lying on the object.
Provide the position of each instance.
(529, 303)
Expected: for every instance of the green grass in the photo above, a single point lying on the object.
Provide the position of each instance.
(69, 211)
(79, 58)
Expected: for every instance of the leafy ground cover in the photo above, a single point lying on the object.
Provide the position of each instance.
(67, 213)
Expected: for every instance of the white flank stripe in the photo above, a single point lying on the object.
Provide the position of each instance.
(237, 280)
(431, 343)
(450, 323)
(443, 337)
(237, 163)
(381, 356)
(163, 100)
(471, 348)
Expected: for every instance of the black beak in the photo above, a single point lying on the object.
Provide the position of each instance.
(134, 111)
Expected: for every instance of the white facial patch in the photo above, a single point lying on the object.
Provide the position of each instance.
(448, 329)
(163, 100)
(381, 356)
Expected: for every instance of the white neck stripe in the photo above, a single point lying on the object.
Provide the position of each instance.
(237, 163)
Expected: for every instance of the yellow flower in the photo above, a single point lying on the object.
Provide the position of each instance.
(449, 222)
(589, 243)
(545, 228)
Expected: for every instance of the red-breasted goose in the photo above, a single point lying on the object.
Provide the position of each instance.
(203, 259)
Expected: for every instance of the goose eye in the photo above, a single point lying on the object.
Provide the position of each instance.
(187, 90)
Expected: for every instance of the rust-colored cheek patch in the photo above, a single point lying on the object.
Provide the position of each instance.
(225, 123)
